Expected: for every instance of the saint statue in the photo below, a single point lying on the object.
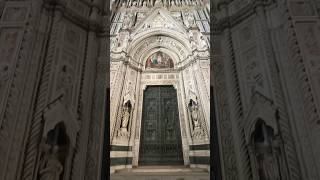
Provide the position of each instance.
(190, 19)
(194, 115)
(193, 44)
(202, 44)
(267, 156)
(127, 21)
(270, 167)
(51, 168)
(125, 118)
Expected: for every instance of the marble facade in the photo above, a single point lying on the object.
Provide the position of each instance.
(160, 30)
(57, 70)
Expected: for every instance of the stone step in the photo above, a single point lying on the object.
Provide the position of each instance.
(161, 173)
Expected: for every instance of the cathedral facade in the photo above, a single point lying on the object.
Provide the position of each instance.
(160, 84)
(226, 88)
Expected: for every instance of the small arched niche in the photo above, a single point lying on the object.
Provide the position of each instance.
(267, 156)
(56, 155)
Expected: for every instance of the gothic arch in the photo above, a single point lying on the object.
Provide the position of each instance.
(261, 109)
(178, 35)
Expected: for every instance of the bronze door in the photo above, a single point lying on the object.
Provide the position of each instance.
(160, 142)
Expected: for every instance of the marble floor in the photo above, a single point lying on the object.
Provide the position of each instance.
(161, 173)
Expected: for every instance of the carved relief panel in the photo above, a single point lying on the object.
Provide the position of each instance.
(68, 73)
(114, 68)
(10, 39)
(254, 79)
(205, 70)
(309, 38)
(250, 64)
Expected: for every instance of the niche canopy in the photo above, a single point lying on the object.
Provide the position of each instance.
(159, 60)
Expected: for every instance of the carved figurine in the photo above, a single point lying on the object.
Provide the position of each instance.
(125, 118)
(267, 156)
(194, 115)
(52, 167)
(127, 21)
(190, 20)
(270, 167)
(202, 44)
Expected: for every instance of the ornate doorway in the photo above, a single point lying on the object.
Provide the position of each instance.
(160, 131)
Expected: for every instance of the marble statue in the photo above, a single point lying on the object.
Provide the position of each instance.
(202, 44)
(270, 167)
(127, 21)
(190, 20)
(51, 168)
(125, 118)
(267, 156)
(193, 44)
(194, 115)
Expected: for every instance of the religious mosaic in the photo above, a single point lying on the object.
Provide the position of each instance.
(159, 60)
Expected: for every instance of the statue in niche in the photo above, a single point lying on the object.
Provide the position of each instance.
(267, 152)
(125, 117)
(54, 153)
(51, 166)
(127, 21)
(202, 44)
(121, 42)
(194, 109)
(114, 43)
(66, 83)
(193, 44)
(189, 20)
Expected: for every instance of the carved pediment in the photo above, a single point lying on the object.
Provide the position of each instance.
(159, 18)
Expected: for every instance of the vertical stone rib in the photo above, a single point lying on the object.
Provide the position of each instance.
(238, 113)
(279, 101)
(228, 158)
(36, 123)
